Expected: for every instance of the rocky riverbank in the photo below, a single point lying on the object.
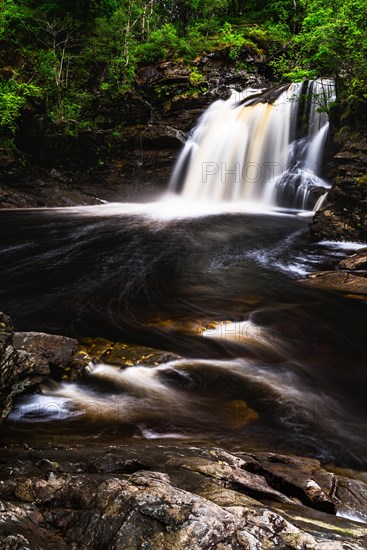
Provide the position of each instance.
(343, 215)
(184, 496)
(96, 490)
(349, 278)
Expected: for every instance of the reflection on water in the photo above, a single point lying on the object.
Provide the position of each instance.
(277, 362)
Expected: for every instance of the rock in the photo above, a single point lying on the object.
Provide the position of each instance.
(19, 371)
(302, 478)
(28, 358)
(343, 213)
(100, 350)
(352, 494)
(338, 281)
(40, 187)
(355, 261)
(6, 324)
(6, 331)
(158, 497)
(58, 350)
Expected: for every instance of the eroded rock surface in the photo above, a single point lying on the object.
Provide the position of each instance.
(19, 370)
(58, 350)
(356, 261)
(173, 496)
(343, 214)
(340, 281)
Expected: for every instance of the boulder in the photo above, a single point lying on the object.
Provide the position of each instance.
(19, 370)
(356, 261)
(101, 350)
(57, 350)
(28, 358)
(339, 281)
(352, 496)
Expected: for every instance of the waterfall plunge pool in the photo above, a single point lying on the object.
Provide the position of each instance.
(275, 365)
(278, 365)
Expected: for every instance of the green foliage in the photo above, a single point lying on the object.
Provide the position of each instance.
(237, 40)
(74, 54)
(332, 41)
(68, 114)
(13, 97)
(196, 78)
(163, 43)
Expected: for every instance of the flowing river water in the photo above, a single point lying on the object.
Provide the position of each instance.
(150, 274)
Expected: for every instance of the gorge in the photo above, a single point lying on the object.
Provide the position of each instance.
(253, 361)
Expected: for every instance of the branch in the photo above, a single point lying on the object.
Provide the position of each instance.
(279, 51)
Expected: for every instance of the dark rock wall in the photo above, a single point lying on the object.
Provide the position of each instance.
(344, 212)
(134, 148)
(133, 151)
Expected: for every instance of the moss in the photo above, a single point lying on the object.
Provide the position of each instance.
(362, 180)
(345, 134)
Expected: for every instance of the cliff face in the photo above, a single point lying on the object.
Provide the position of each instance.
(135, 147)
(344, 213)
(136, 144)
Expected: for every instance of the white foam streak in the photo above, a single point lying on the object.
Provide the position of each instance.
(172, 207)
(343, 245)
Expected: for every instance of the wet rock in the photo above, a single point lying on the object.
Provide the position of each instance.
(338, 281)
(6, 324)
(39, 187)
(352, 494)
(343, 213)
(154, 136)
(57, 350)
(177, 496)
(235, 477)
(302, 478)
(100, 350)
(355, 261)
(19, 370)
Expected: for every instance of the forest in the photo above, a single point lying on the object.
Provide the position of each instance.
(60, 58)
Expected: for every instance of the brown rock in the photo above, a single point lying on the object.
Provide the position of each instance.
(339, 281)
(100, 350)
(19, 370)
(162, 505)
(302, 478)
(58, 350)
(355, 261)
(352, 494)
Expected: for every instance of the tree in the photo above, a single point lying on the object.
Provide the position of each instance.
(332, 42)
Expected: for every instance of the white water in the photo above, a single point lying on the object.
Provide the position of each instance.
(252, 151)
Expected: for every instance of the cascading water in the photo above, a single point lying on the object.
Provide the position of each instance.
(213, 287)
(259, 147)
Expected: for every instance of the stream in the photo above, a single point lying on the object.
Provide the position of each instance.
(218, 287)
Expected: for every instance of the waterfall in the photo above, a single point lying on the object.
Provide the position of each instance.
(261, 147)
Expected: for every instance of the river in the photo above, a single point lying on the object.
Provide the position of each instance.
(152, 274)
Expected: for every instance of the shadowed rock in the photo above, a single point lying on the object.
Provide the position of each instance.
(177, 496)
(339, 281)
